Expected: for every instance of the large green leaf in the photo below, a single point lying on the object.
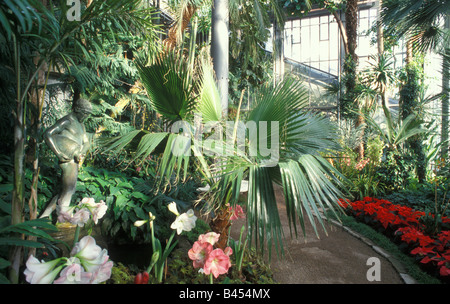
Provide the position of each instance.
(169, 85)
(210, 105)
(262, 211)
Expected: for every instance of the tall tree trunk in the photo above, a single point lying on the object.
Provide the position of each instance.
(220, 49)
(278, 51)
(446, 95)
(17, 202)
(408, 101)
(351, 63)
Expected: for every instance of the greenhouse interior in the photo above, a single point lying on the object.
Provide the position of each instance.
(252, 143)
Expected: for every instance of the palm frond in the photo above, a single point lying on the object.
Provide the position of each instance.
(209, 103)
(308, 180)
(169, 86)
(263, 219)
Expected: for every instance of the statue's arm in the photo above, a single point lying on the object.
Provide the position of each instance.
(85, 147)
(50, 140)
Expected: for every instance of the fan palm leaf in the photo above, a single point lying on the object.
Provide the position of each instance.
(169, 85)
(419, 20)
(309, 182)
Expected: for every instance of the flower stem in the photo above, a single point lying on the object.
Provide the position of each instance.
(211, 278)
(76, 236)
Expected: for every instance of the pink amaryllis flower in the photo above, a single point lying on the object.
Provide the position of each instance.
(199, 252)
(217, 263)
(236, 212)
(210, 237)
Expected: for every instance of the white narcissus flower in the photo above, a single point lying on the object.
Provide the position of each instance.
(184, 222)
(41, 272)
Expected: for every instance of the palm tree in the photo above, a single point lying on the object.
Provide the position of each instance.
(297, 138)
(424, 24)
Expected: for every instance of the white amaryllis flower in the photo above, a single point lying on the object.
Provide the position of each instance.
(98, 210)
(41, 272)
(91, 256)
(173, 208)
(142, 222)
(103, 273)
(184, 222)
(74, 274)
(80, 217)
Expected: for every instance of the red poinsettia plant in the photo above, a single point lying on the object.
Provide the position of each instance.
(405, 223)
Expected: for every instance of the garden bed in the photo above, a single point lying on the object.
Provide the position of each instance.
(410, 229)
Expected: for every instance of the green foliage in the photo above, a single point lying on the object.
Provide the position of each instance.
(361, 175)
(169, 85)
(120, 274)
(130, 198)
(397, 169)
(422, 196)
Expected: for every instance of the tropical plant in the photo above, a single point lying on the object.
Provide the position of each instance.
(425, 25)
(54, 42)
(296, 136)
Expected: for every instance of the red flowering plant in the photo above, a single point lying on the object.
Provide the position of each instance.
(405, 223)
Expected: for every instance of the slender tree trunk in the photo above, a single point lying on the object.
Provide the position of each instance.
(17, 202)
(278, 52)
(220, 49)
(341, 30)
(446, 95)
(351, 27)
(351, 63)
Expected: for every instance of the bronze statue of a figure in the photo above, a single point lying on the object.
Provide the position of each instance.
(68, 139)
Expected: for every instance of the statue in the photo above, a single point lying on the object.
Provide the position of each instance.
(68, 139)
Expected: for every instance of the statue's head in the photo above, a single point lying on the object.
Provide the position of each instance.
(82, 108)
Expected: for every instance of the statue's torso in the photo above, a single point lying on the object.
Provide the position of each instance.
(71, 138)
